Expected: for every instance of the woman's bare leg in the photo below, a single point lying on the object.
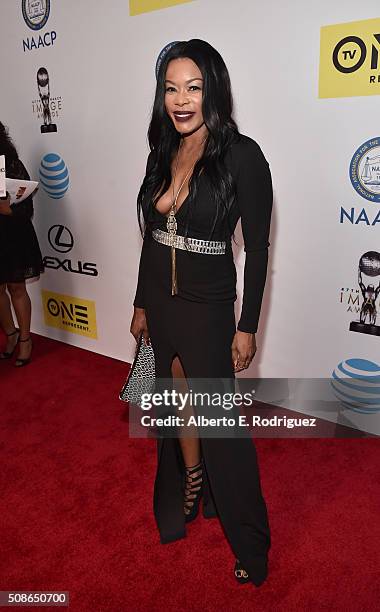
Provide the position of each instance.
(23, 309)
(6, 319)
(190, 445)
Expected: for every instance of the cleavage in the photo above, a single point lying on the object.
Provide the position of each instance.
(167, 199)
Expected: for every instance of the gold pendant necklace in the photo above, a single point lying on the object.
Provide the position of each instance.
(171, 223)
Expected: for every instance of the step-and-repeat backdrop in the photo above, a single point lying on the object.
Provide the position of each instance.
(78, 80)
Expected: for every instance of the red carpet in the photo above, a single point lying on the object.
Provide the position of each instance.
(76, 506)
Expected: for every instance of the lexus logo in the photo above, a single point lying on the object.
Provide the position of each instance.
(62, 241)
(60, 238)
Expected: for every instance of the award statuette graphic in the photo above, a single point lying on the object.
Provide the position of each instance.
(44, 91)
(369, 264)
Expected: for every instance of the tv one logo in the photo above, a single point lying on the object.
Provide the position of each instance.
(69, 313)
(349, 59)
(136, 7)
(350, 54)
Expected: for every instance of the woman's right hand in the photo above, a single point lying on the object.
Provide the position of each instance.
(139, 325)
(5, 205)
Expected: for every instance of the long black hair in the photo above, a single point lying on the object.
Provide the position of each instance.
(7, 147)
(217, 106)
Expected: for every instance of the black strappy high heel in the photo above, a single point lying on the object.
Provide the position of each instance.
(242, 576)
(8, 354)
(240, 573)
(23, 362)
(193, 491)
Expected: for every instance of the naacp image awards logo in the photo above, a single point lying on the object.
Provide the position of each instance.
(35, 13)
(47, 107)
(365, 170)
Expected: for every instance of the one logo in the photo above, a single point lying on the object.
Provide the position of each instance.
(69, 313)
(136, 7)
(162, 54)
(356, 383)
(349, 59)
(54, 175)
(365, 170)
(35, 13)
(60, 238)
(46, 106)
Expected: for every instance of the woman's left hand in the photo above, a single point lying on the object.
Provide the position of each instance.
(243, 350)
(5, 208)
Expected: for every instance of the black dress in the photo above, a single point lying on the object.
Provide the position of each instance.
(20, 255)
(198, 324)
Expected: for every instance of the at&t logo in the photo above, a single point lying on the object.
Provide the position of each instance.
(54, 175)
(356, 383)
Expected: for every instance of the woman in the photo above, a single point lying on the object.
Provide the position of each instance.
(20, 258)
(201, 176)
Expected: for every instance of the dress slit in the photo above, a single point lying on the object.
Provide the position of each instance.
(232, 489)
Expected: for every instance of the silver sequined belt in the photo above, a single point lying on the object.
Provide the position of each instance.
(208, 247)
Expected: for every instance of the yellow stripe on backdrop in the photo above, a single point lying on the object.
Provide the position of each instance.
(145, 6)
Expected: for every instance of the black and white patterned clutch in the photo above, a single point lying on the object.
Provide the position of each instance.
(141, 376)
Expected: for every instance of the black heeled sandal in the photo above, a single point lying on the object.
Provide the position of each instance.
(23, 362)
(8, 354)
(240, 573)
(193, 491)
(258, 579)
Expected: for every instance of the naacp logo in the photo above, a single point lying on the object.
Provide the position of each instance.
(60, 238)
(35, 13)
(162, 54)
(365, 170)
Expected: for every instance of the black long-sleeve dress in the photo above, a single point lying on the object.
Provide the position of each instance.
(20, 255)
(198, 324)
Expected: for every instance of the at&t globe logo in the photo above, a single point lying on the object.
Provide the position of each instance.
(356, 383)
(54, 175)
(35, 13)
(365, 170)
